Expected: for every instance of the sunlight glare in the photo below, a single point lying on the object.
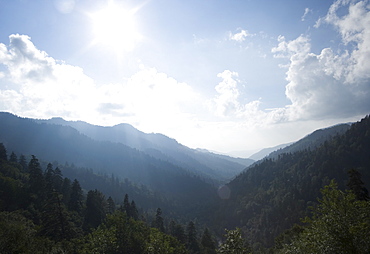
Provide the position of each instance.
(115, 27)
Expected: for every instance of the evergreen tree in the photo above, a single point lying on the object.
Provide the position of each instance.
(49, 173)
(36, 181)
(159, 222)
(356, 185)
(192, 239)
(23, 162)
(126, 205)
(66, 190)
(111, 206)
(95, 209)
(13, 157)
(134, 213)
(76, 198)
(178, 231)
(207, 243)
(3, 155)
(56, 223)
(58, 180)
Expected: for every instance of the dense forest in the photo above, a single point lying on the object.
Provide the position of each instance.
(44, 212)
(273, 194)
(314, 200)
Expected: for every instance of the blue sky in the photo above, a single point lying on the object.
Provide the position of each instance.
(228, 76)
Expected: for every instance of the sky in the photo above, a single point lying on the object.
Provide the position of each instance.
(228, 76)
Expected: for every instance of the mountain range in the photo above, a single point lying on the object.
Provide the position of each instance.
(263, 198)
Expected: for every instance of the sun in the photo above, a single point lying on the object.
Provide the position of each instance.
(115, 27)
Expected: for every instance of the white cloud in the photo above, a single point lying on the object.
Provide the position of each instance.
(240, 36)
(330, 84)
(306, 12)
(39, 86)
(36, 85)
(227, 102)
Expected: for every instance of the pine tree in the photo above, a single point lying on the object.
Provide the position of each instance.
(126, 205)
(178, 231)
(66, 190)
(58, 180)
(56, 223)
(208, 244)
(95, 209)
(76, 198)
(49, 173)
(3, 155)
(159, 222)
(36, 181)
(192, 239)
(356, 185)
(23, 162)
(134, 213)
(13, 157)
(111, 206)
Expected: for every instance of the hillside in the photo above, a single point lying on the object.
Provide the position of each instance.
(275, 193)
(217, 167)
(60, 144)
(313, 140)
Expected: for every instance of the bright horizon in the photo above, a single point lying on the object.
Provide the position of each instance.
(227, 76)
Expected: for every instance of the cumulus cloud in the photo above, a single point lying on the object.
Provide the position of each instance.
(240, 36)
(227, 101)
(330, 84)
(36, 85)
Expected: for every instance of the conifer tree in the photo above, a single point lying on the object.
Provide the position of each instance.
(56, 223)
(356, 185)
(192, 239)
(36, 180)
(23, 162)
(111, 206)
(134, 213)
(207, 243)
(13, 157)
(3, 155)
(76, 198)
(159, 223)
(95, 209)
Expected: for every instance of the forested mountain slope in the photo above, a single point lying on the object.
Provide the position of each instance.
(274, 194)
(217, 167)
(65, 144)
(313, 140)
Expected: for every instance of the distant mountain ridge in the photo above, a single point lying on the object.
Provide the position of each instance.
(215, 166)
(60, 144)
(124, 136)
(310, 141)
(313, 140)
(266, 151)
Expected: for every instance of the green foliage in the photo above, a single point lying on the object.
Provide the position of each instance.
(95, 209)
(3, 154)
(356, 185)
(339, 224)
(234, 243)
(272, 195)
(192, 243)
(208, 245)
(75, 202)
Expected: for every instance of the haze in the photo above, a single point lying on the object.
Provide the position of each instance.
(228, 76)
